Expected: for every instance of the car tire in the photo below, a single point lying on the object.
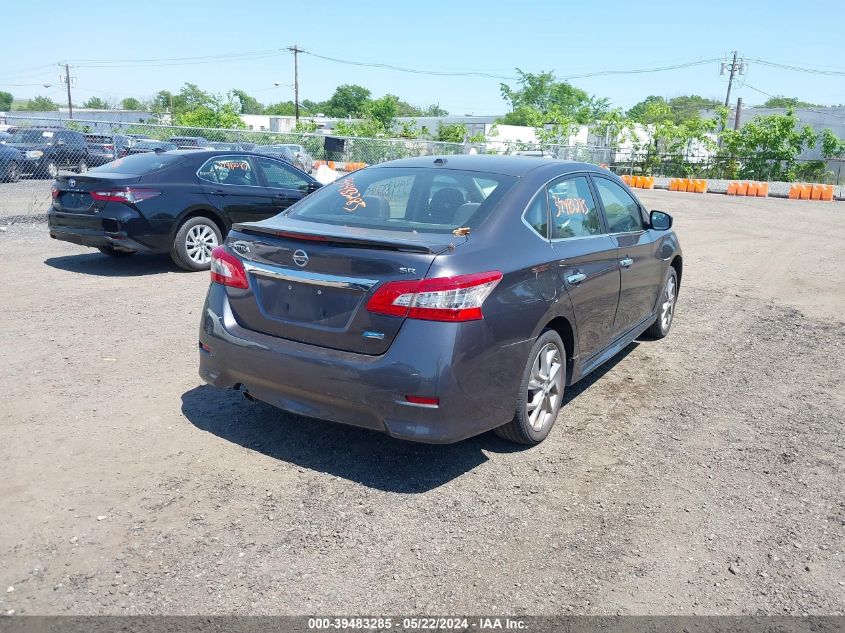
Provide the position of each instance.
(665, 307)
(194, 241)
(540, 393)
(50, 170)
(82, 166)
(12, 173)
(111, 252)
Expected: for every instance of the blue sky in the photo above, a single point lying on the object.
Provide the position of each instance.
(493, 37)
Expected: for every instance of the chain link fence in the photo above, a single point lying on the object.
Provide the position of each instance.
(34, 151)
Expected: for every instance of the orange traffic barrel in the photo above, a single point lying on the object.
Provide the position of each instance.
(816, 192)
(649, 182)
(762, 189)
(805, 191)
(752, 189)
(741, 188)
(732, 187)
(700, 186)
(794, 192)
(673, 184)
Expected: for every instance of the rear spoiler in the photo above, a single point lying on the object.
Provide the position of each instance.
(362, 242)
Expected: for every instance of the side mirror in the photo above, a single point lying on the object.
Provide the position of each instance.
(312, 187)
(660, 220)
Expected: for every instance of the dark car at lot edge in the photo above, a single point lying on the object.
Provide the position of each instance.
(10, 163)
(104, 148)
(437, 298)
(178, 202)
(289, 154)
(47, 150)
(146, 146)
(190, 142)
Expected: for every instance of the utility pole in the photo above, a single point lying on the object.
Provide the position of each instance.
(730, 79)
(66, 79)
(738, 113)
(296, 51)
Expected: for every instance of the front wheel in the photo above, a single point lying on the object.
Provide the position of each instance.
(666, 307)
(194, 241)
(541, 392)
(13, 172)
(82, 166)
(50, 170)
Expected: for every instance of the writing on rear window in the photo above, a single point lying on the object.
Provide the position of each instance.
(353, 197)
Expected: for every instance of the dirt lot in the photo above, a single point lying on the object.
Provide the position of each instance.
(701, 474)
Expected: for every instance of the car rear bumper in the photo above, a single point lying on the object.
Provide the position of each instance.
(476, 382)
(98, 230)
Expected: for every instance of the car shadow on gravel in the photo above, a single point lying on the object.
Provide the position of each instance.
(104, 266)
(366, 457)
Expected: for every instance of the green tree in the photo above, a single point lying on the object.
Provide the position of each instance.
(246, 104)
(831, 145)
(435, 110)
(348, 100)
(41, 104)
(131, 103)
(224, 116)
(540, 97)
(779, 101)
(5, 101)
(283, 108)
(687, 107)
(452, 133)
(95, 103)
(383, 111)
(640, 112)
(767, 147)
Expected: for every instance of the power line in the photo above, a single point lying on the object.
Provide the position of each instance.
(812, 71)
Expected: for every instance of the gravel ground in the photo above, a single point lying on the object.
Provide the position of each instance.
(699, 474)
(25, 201)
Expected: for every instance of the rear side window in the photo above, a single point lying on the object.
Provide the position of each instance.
(537, 215)
(140, 164)
(573, 210)
(406, 199)
(229, 170)
(622, 211)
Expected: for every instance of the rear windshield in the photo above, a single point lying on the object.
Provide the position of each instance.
(140, 164)
(430, 200)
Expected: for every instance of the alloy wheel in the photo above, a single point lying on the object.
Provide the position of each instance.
(199, 242)
(667, 310)
(12, 172)
(82, 167)
(545, 387)
(52, 169)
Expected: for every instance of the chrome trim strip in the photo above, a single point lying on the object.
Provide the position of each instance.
(305, 277)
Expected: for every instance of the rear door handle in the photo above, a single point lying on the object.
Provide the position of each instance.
(577, 278)
(626, 262)
(219, 192)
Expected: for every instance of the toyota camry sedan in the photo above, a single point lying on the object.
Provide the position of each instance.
(437, 298)
(178, 202)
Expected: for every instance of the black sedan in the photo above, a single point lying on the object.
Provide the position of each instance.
(179, 202)
(146, 146)
(10, 163)
(438, 298)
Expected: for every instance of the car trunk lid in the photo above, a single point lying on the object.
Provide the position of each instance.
(72, 192)
(311, 282)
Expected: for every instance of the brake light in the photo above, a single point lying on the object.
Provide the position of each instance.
(108, 146)
(54, 192)
(228, 270)
(440, 299)
(130, 195)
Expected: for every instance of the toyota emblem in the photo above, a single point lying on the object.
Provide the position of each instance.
(300, 258)
(71, 182)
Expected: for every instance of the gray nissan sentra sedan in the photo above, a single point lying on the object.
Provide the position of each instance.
(437, 298)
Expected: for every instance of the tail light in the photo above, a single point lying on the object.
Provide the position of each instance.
(54, 192)
(440, 299)
(131, 195)
(108, 146)
(226, 269)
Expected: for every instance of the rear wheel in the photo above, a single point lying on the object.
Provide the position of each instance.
(111, 252)
(194, 241)
(541, 392)
(12, 173)
(666, 307)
